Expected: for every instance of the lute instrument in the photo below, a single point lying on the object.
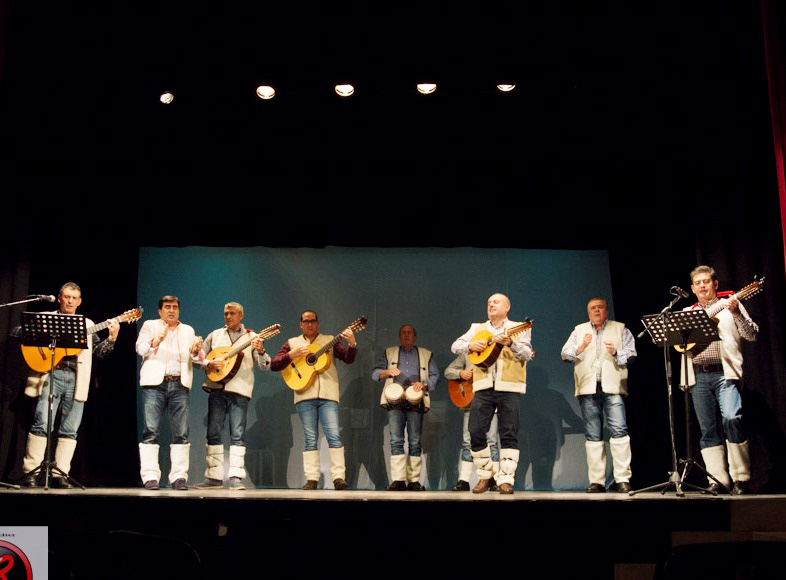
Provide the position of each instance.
(461, 392)
(488, 356)
(39, 358)
(712, 311)
(231, 357)
(301, 372)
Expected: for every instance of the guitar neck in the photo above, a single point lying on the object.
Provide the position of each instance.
(328, 346)
(263, 334)
(743, 294)
(100, 326)
(513, 331)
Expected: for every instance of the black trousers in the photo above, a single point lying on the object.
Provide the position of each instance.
(484, 404)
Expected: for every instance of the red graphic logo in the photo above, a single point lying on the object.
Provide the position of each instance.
(14, 565)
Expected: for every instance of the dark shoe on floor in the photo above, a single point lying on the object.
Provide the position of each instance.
(415, 486)
(398, 486)
(180, 485)
(740, 488)
(596, 488)
(236, 483)
(622, 487)
(493, 485)
(30, 480)
(339, 483)
(482, 486)
(151, 484)
(210, 483)
(461, 485)
(506, 488)
(311, 484)
(60, 482)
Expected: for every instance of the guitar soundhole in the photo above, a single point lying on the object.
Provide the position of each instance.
(311, 360)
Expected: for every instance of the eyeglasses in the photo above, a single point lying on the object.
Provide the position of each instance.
(310, 321)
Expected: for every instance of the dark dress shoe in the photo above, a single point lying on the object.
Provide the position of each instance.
(398, 486)
(415, 486)
(151, 484)
(622, 487)
(482, 486)
(61, 482)
(493, 485)
(596, 488)
(30, 480)
(311, 484)
(740, 488)
(180, 485)
(506, 488)
(461, 485)
(339, 483)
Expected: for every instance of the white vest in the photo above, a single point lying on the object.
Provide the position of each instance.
(84, 365)
(613, 378)
(511, 373)
(325, 384)
(424, 357)
(243, 382)
(153, 365)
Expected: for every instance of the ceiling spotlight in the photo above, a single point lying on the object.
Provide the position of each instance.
(506, 88)
(166, 98)
(266, 92)
(426, 88)
(345, 90)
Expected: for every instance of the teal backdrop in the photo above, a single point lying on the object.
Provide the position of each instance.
(438, 290)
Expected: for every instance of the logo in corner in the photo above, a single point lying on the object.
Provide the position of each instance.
(14, 564)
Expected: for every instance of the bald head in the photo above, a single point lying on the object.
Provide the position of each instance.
(498, 307)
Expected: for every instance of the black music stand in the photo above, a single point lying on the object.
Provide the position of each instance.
(53, 331)
(678, 328)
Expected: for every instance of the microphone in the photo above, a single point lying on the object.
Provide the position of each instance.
(677, 290)
(45, 297)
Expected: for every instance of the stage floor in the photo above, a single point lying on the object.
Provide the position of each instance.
(383, 534)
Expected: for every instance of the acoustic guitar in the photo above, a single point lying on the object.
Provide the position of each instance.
(232, 356)
(750, 290)
(461, 392)
(39, 358)
(300, 374)
(488, 356)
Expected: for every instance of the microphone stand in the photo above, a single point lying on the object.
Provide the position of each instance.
(6, 305)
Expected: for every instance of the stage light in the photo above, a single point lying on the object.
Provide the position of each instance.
(166, 98)
(266, 92)
(345, 90)
(506, 88)
(426, 88)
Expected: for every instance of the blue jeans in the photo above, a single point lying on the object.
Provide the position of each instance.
(484, 404)
(312, 412)
(219, 405)
(492, 437)
(397, 421)
(603, 409)
(713, 390)
(65, 385)
(169, 395)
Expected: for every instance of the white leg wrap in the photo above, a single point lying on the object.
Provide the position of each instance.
(34, 452)
(148, 462)
(508, 462)
(620, 457)
(482, 461)
(215, 462)
(237, 461)
(715, 463)
(414, 467)
(495, 469)
(596, 461)
(64, 454)
(311, 465)
(739, 461)
(465, 470)
(398, 468)
(337, 466)
(178, 454)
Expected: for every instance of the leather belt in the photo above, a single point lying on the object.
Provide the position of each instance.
(715, 368)
(172, 378)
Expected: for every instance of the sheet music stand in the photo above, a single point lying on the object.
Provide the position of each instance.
(679, 328)
(53, 331)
